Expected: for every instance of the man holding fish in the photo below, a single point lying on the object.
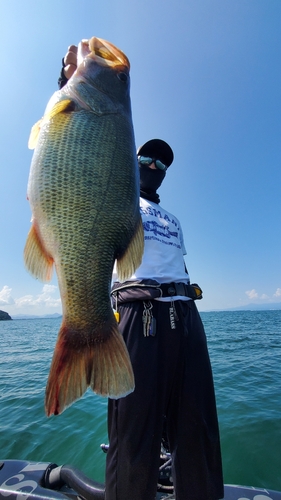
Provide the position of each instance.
(167, 346)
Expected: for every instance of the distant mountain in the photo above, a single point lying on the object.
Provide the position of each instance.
(258, 307)
(4, 316)
(27, 316)
(274, 306)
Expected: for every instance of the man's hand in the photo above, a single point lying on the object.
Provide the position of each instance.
(70, 61)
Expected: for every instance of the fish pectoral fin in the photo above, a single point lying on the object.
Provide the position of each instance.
(102, 364)
(37, 261)
(60, 107)
(131, 259)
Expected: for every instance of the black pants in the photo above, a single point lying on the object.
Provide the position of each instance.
(174, 380)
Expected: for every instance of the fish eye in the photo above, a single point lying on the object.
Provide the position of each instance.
(122, 76)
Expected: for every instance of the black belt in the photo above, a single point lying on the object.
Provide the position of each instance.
(172, 289)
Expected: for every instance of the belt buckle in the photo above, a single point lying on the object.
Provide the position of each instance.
(171, 290)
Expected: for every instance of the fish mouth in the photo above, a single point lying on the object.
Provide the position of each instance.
(104, 52)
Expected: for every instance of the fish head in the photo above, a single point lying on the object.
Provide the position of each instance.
(102, 70)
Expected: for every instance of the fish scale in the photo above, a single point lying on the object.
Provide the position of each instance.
(84, 194)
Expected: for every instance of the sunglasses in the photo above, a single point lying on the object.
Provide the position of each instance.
(145, 160)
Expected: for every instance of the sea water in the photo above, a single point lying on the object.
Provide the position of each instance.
(245, 351)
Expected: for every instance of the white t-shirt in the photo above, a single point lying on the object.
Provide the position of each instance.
(163, 248)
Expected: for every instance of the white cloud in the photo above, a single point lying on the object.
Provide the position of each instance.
(44, 298)
(5, 296)
(252, 294)
(46, 302)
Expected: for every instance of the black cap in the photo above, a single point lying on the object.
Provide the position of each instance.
(158, 149)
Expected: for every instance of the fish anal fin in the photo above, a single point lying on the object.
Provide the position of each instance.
(131, 259)
(65, 105)
(102, 363)
(37, 261)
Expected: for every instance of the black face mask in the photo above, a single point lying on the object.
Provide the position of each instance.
(150, 180)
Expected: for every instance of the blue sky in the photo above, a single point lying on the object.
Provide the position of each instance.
(205, 77)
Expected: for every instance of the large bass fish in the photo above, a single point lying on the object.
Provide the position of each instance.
(83, 190)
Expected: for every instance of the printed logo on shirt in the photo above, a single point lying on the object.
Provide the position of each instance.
(158, 214)
(160, 227)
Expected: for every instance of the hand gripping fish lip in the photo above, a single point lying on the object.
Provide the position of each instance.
(104, 52)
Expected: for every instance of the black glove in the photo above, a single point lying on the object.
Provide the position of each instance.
(62, 79)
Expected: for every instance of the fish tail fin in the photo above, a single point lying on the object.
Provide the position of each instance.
(102, 364)
(37, 261)
(131, 259)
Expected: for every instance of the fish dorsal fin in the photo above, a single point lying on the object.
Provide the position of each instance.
(59, 107)
(36, 259)
(32, 141)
